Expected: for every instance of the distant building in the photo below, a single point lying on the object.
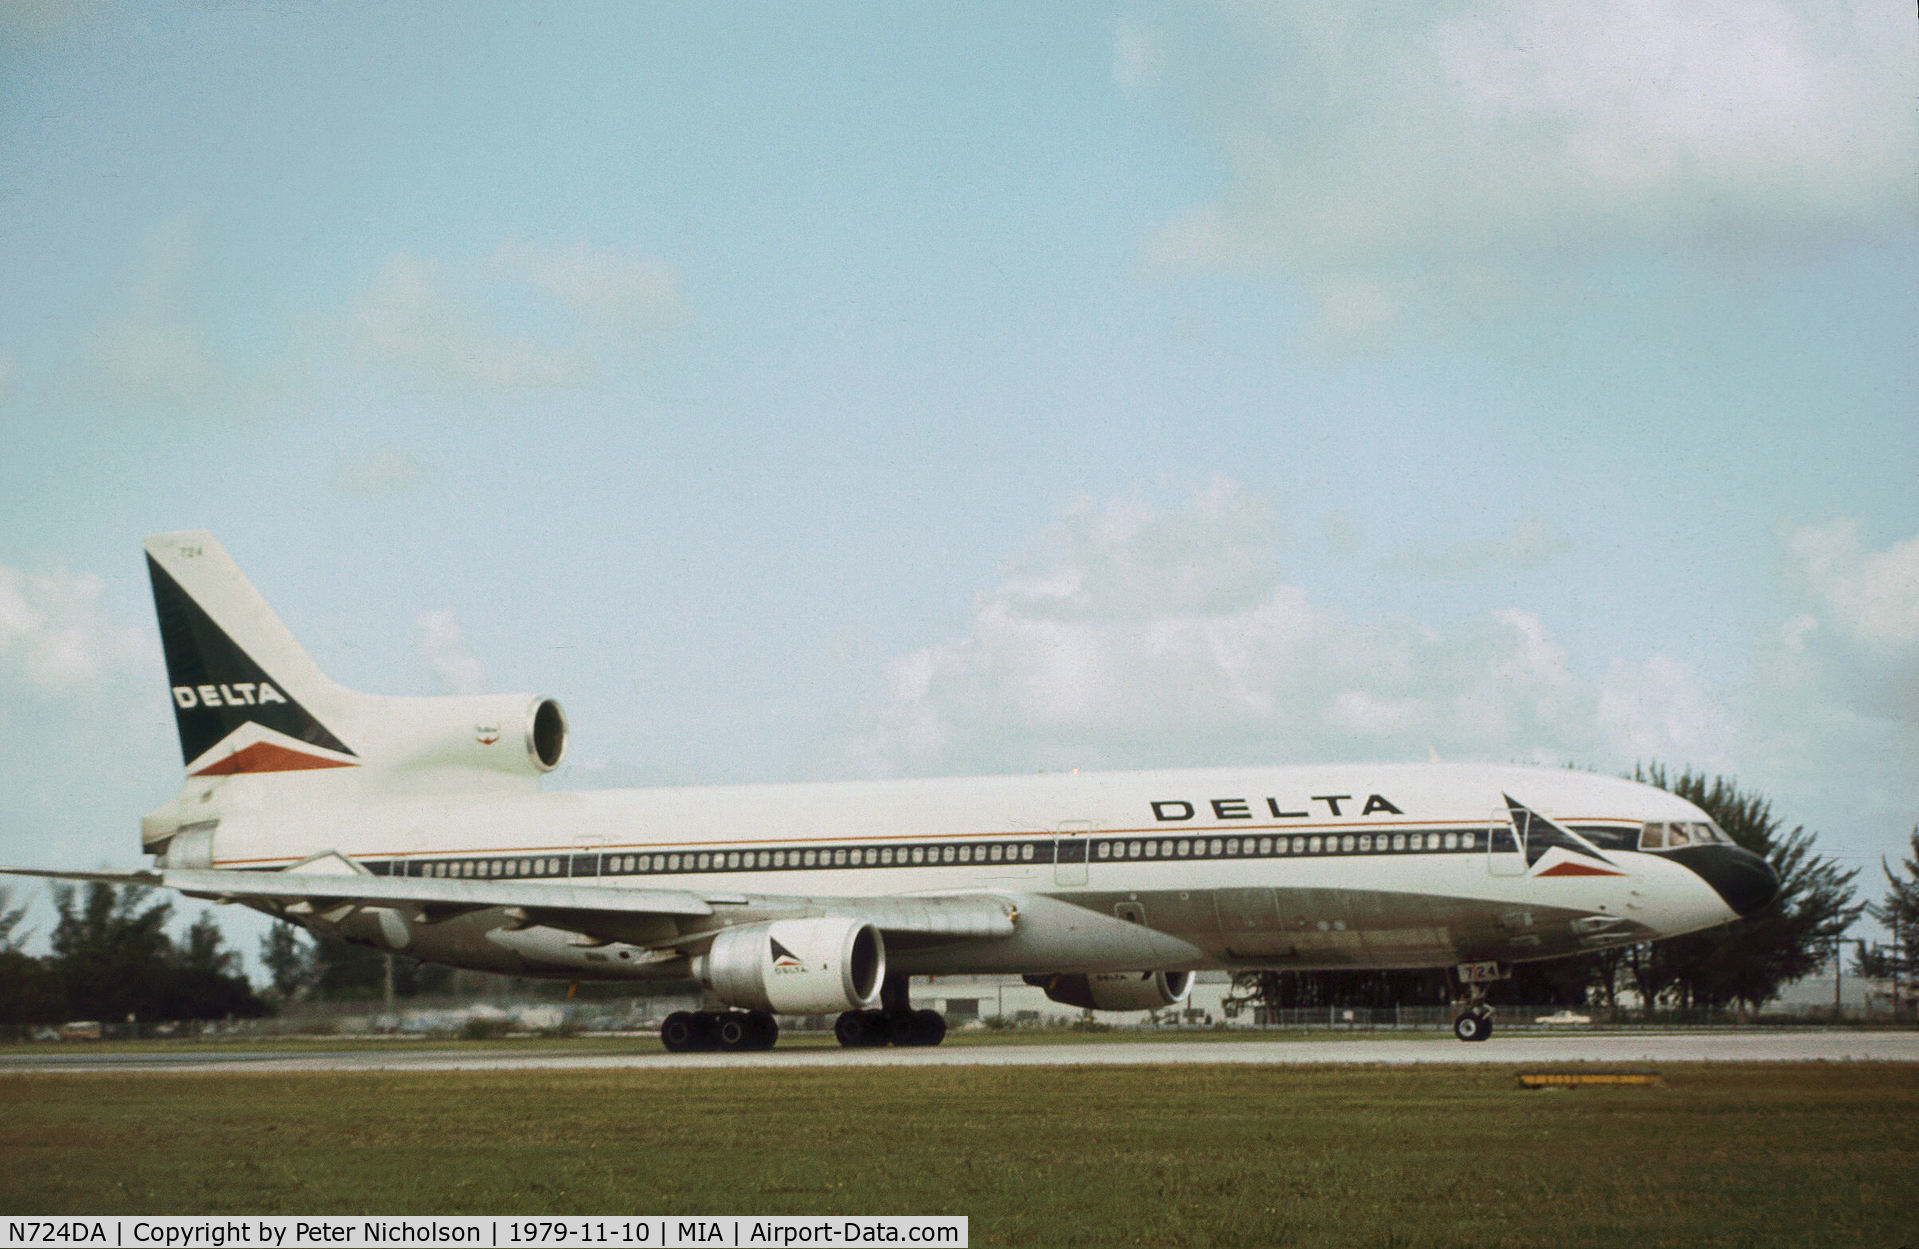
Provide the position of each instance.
(1857, 995)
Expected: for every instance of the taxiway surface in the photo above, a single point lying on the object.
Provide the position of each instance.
(1606, 1048)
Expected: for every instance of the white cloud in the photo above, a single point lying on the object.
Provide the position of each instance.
(441, 646)
(87, 737)
(1138, 637)
(1134, 55)
(1531, 541)
(608, 289)
(86, 734)
(1829, 714)
(382, 471)
(1854, 648)
(532, 316)
(56, 637)
(39, 20)
(1415, 156)
(1870, 597)
(1657, 710)
(408, 319)
(157, 351)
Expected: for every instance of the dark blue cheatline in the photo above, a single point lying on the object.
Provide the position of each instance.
(1028, 852)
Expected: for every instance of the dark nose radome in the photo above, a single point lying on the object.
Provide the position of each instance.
(1746, 881)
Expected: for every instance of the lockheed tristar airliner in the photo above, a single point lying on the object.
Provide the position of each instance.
(417, 825)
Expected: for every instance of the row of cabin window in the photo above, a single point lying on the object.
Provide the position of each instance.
(996, 852)
(745, 860)
(869, 856)
(488, 869)
(1266, 847)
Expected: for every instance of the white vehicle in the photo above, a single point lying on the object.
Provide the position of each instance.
(1564, 1016)
(418, 825)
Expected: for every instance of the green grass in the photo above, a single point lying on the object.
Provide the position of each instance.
(1788, 1154)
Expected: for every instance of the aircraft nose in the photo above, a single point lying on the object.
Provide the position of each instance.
(1746, 881)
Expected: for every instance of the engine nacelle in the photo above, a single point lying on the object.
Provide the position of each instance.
(403, 746)
(796, 966)
(1118, 990)
(519, 734)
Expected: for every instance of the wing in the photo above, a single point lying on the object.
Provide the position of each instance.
(659, 918)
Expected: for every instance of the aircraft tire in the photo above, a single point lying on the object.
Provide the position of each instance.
(860, 1029)
(1473, 1026)
(766, 1030)
(735, 1031)
(682, 1032)
(923, 1028)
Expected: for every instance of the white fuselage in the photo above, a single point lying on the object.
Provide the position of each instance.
(1294, 867)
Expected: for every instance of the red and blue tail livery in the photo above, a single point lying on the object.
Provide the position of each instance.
(232, 715)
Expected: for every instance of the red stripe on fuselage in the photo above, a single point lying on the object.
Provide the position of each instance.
(1577, 869)
(268, 757)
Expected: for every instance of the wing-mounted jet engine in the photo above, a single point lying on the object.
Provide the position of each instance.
(796, 966)
(1117, 990)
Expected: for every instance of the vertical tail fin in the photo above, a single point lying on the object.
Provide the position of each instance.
(266, 736)
(246, 697)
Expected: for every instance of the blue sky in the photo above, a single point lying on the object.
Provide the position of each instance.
(827, 390)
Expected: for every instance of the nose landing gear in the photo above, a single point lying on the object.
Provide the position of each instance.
(894, 1023)
(1474, 1022)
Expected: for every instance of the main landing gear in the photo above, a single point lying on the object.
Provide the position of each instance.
(688, 1031)
(894, 1023)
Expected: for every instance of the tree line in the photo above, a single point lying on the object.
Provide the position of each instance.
(1899, 912)
(113, 959)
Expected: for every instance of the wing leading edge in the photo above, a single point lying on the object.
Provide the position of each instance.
(601, 913)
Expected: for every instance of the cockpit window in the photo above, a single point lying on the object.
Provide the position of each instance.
(1671, 834)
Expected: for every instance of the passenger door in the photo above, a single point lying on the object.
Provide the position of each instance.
(1506, 843)
(1071, 841)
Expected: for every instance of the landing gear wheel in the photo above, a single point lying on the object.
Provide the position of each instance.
(735, 1032)
(860, 1029)
(1473, 1026)
(683, 1032)
(766, 1030)
(922, 1027)
(897, 1022)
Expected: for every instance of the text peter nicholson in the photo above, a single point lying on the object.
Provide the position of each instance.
(650, 1232)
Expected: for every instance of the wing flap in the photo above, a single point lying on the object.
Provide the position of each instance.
(660, 918)
(909, 921)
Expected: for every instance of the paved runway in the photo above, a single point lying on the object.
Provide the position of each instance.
(1609, 1048)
